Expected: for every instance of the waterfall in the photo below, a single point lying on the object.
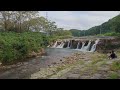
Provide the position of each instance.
(71, 44)
(61, 45)
(85, 48)
(68, 44)
(48, 46)
(78, 45)
(82, 46)
(88, 46)
(55, 44)
(94, 46)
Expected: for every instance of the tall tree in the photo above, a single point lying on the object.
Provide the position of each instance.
(5, 19)
(15, 19)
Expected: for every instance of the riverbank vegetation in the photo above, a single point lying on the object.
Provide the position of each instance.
(23, 32)
(16, 46)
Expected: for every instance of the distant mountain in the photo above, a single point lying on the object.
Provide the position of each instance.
(112, 25)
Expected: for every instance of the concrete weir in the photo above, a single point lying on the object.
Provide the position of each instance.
(77, 44)
(87, 44)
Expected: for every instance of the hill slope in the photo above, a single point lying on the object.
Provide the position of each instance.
(112, 25)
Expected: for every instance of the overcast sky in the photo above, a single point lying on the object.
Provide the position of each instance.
(79, 19)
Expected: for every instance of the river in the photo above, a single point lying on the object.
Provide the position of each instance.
(23, 70)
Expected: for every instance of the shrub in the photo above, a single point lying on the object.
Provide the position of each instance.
(112, 34)
(15, 46)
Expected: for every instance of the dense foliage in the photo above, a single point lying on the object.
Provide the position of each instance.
(22, 21)
(14, 46)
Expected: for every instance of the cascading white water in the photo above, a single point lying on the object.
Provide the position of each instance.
(94, 46)
(86, 48)
(55, 45)
(78, 45)
(68, 46)
(61, 45)
(82, 46)
(71, 44)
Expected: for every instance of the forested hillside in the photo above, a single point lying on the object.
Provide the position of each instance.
(111, 26)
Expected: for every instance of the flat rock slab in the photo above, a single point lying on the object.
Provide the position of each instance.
(103, 68)
(96, 76)
(73, 76)
(76, 71)
(109, 62)
(84, 77)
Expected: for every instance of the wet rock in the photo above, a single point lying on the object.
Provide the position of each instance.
(82, 58)
(54, 63)
(43, 51)
(33, 54)
(49, 65)
(60, 59)
(25, 63)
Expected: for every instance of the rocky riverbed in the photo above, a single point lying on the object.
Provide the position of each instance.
(24, 69)
(82, 66)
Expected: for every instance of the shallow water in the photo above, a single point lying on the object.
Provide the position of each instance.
(25, 69)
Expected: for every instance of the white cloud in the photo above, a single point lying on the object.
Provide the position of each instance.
(79, 19)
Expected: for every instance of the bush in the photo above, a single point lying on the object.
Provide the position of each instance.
(16, 46)
(112, 34)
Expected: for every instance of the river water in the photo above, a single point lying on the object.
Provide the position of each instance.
(23, 70)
